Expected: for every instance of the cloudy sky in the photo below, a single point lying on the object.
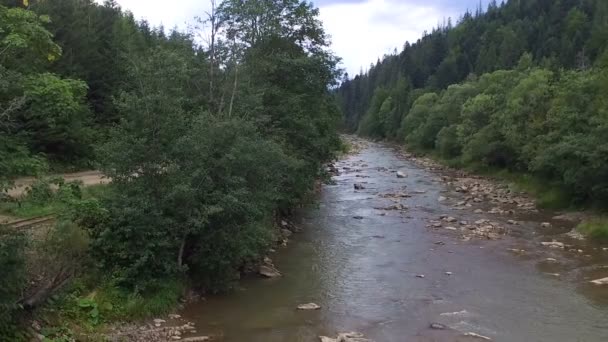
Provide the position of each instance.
(361, 30)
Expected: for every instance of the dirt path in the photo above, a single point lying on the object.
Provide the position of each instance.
(88, 178)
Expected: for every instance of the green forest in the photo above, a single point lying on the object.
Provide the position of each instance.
(206, 140)
(519, 86)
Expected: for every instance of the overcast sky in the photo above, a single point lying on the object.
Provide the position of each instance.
(361, 30)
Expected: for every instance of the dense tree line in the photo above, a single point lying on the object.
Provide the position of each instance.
(517, 87)
(205, 144)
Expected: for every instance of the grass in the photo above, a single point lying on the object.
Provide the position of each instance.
(27, 208)
(91, 304)
(596, 229)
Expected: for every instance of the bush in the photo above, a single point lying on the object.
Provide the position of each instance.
(447, 142)
(12, 282)
(596, 229)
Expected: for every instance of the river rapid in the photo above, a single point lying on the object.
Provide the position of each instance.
(392, 258)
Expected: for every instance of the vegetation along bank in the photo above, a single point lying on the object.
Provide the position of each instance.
(517, 91)
(205, 146)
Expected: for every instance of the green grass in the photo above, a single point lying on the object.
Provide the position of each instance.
(27, 208)
(596, 229)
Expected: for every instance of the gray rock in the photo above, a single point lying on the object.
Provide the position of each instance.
(269, 271)
(309, 306)
(438, 326)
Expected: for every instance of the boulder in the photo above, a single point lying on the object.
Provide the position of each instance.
(545, 225)
(400, 174)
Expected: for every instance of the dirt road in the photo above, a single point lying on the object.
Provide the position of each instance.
(86, 177)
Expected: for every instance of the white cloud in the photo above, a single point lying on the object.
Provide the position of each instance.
(361, 31)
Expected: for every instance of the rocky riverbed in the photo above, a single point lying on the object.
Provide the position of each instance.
(399, 248)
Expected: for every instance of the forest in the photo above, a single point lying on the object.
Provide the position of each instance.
(519, 87)
(208, 137)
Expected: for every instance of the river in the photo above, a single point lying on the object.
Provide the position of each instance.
(364, 266)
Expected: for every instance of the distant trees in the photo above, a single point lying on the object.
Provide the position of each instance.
(517, 87)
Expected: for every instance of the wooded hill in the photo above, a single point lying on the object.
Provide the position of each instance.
(519, 86)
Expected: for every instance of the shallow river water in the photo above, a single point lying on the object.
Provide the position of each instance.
(364, 272)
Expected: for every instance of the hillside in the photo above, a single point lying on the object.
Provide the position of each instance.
(518, 87)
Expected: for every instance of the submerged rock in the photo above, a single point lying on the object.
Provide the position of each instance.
(438, 326)
(359, 186)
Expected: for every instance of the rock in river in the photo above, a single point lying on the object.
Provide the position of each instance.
(269, 271)
(553, 244)
(308, 306)
(359, 186)
(603, 281)
(400, 174)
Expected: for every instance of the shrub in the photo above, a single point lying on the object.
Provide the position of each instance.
(12, 282)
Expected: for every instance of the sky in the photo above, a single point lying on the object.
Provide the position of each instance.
(361, 30)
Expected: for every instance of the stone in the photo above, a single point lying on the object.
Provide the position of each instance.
(420, 276)
(36, 326)
(442, 199)
(603, 281)
(327, 339)
(512, 222)
(438, 326)
(359, 186)
(197, 339)
(448, 273)
(553, 244)
(401, 174)
(176, 337)
(174, 316)
(551, 260)
(451, 219)
(451, 228)
(269, 271)
(358, 217)
(472, 334)
(309, 306)
(545, 225)
(352, 337)
(478, 211)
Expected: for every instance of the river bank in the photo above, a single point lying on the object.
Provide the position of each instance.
(395, 257)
